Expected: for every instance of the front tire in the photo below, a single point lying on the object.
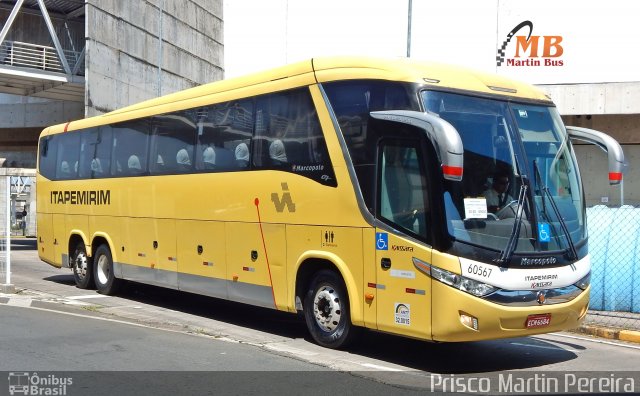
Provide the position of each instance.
(82, 267)
(106, 282)
(326, 311)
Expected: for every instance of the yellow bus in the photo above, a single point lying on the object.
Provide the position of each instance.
(417, 199)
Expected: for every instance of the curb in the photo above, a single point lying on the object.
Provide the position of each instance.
(611, 334)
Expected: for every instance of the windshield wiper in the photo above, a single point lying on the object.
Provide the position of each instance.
(507, 253)
(554, 206)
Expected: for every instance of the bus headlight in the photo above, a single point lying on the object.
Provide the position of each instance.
(584, 282)
(460, 282)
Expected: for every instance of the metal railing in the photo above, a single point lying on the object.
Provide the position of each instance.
(34, 56)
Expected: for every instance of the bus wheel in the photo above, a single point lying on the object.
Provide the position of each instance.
(82, 268)
(106, 282)
(326, 310)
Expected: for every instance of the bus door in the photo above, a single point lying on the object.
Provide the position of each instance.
(250, 269)
(403, 293)
(153, 251)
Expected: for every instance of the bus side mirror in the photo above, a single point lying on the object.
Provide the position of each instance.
(605, 142)
(444, 137)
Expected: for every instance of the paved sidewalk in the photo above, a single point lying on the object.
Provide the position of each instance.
(624, 326)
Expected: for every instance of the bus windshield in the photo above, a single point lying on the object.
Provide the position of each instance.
(520, 176)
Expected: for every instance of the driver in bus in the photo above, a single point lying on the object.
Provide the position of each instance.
(498, 195)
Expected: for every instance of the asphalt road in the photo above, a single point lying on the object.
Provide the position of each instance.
(101, 356)
(261, 335)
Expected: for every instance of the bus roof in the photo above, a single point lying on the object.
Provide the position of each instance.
(319, 70)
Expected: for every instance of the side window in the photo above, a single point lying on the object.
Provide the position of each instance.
(130, 148)
(68, 155)
(101, 162)
(95, 152)
(172, 150)
(88, 145)
(224, 136)
(352, 101)
(288, 136)
(47, 160)
(402, 196)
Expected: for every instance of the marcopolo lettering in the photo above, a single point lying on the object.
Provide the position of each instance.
(91, 197)
(538, 261)
(307, 168)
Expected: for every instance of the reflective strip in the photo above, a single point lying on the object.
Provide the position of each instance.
(249, 269)
(617, 176)
(452, 170)
(415, 291)
(204, 285)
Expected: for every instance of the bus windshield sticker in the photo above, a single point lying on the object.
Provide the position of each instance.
(382, 241)
(475, 208)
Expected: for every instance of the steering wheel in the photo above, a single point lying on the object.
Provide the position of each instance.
(508, 211)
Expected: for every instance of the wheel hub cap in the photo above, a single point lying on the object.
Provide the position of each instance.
(327, 309)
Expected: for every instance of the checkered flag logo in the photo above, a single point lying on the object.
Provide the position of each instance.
(501, 50)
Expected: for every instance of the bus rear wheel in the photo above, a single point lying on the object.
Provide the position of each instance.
(106, 282)
(82, 267)
(326, 311)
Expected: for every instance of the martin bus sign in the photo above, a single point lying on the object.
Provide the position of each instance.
(529, 50)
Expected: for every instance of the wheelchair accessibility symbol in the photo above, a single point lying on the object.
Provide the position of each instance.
(382, 241)
(544, 232)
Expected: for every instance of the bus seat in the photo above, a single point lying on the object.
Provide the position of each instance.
(209, 158)
(278, 152)
(183, 160)
(134, 165)
(241, 153)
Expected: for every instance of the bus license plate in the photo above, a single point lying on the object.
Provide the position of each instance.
(542, 320)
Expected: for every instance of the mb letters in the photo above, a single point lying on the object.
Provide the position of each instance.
(91, 197)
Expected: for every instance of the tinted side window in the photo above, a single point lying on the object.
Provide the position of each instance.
(173, 143)
(68, 155)
(224, 136)
(95, 153)
(88, 143)
(47, 161)
(288, 136)
(130, 147)
(402, 198)
(103, 157)
(352, 101)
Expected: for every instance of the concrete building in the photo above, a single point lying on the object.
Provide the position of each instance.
(66, 59)
(62, 60)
